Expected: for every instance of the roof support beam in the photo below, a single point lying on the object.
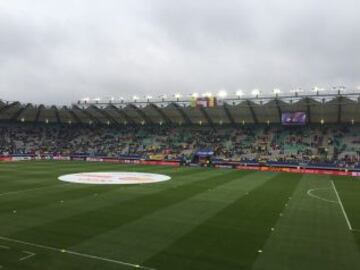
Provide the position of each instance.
(278, 108)
(89, 115)
(8, 107)
(255, 119)
(39, 110)
(17, 114)
(186, 118)
(123, 114)
(339, 109)
(207, 116)
(108, 116)
(162, 114)
(145, 118)
(74, 116)
(228, 114)
(57, 115)
(308, 110)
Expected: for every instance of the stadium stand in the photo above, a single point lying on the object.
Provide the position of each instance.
(295, 144)
(247, 131)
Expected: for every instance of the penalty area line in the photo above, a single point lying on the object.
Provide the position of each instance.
(28, 255)
(341, 206)
(310, 193)
(75, 253)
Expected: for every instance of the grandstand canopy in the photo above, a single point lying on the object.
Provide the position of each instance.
(329, 109)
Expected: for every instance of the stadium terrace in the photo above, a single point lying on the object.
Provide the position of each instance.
(300, 131)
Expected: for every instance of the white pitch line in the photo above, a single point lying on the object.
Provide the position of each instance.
(309, 192)
(4, 247)
(28, 256)
(84, 255)
(341, 206)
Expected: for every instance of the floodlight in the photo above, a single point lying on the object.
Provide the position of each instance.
(207, 94)
(239, 93)
(276, 91)
(318, 89)
(255, 92)
(222, 94)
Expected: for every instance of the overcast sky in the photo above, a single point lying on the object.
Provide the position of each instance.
(56, 52)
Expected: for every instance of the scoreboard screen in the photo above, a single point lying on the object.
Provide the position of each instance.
(293, 118)
(205, 102)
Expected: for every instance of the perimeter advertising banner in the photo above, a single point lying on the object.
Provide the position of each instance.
(299, 170)
(5, 159)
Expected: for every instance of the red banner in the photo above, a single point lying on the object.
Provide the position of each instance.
(299, 170)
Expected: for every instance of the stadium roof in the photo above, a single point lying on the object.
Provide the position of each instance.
(327, 108)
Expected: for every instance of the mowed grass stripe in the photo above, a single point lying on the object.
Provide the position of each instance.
(97, 197)
(31, 195)
(312, 234)
(34, 192)
(231, 239)
(36, 180)
(76, 229)
(31, 170)
(141, 239)
(33, 217)
(29, 175)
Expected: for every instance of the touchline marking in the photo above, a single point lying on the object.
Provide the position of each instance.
(84, 255)
(341, 206)
(28, 256)
(309, 192)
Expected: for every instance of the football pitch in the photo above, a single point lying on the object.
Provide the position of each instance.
(201, 219)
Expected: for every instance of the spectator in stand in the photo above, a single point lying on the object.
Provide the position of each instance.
(336, 145)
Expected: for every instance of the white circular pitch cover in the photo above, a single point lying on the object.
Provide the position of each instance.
(114, 178)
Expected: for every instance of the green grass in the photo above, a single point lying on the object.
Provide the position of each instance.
(201, 219)
(350, 195)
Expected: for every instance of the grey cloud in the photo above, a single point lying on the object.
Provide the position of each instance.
(59, 51)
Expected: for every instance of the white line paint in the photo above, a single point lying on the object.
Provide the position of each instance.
(84, 255)
(341, 206)
(28, 255)
(310, 193)
(4, 247)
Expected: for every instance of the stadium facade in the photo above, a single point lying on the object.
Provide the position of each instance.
(319, 109)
